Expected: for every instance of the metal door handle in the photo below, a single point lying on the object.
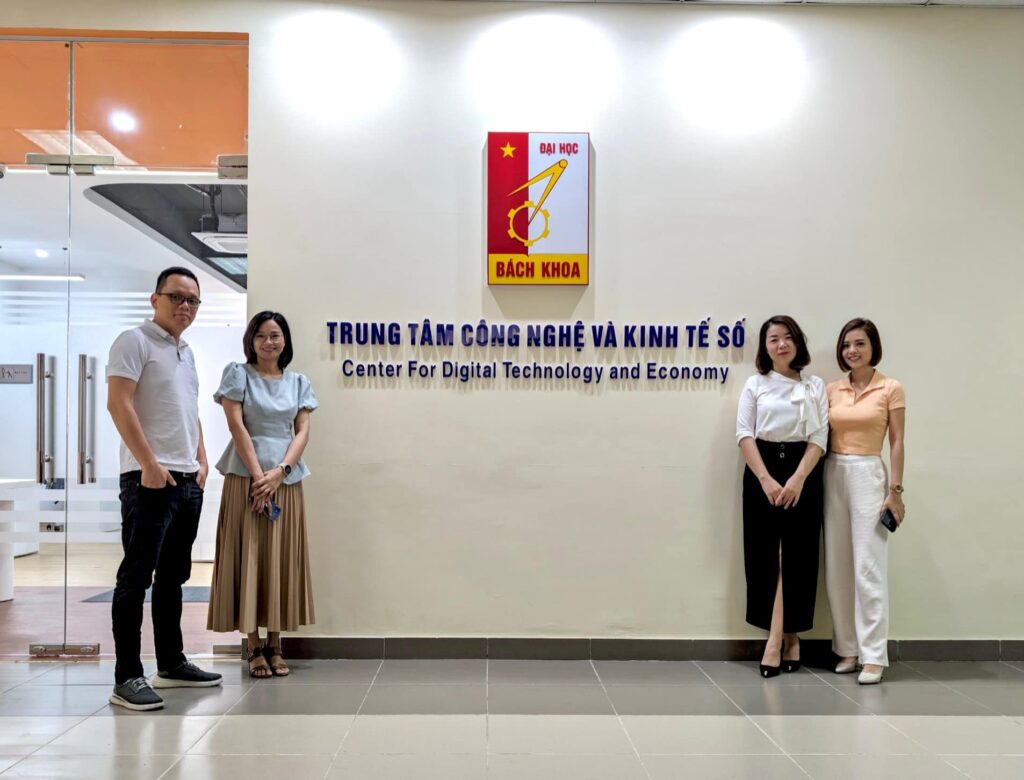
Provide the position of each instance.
(46, 370)
(86, 473)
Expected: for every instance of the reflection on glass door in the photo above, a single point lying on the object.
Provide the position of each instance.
(159, 203)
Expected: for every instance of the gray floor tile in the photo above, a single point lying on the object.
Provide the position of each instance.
(421, 734)
(723, 768)
(921, 699)
(1006, 700)
(423, 699)
(409, 767)
(85, 673)
(78, 767)
(963, 735)
(21, 735)
(242, 767)
(278, 697)
(971, 672)
(8, 761)
(353, 671)
(697, 734)
(510, 767)
(670, 700)
(769, 699)
(438, 671)
(17, 672)
(651, 672)
(558, 672)
(896, 674)
(54, 699)
(311, 735)
(877, 768)
(746, 673)
(188, 701)
(147, 735)
(555, 699)
(102, 672)
(989, 767)
(839, 734)
(558, 734)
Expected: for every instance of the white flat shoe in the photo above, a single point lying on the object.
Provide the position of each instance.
(846, 667)
(869, 678)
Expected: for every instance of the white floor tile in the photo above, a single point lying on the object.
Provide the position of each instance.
(557, 734)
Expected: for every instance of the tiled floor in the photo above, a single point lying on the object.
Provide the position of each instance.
(520, 719)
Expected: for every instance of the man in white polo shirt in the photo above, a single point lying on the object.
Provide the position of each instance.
(153, 397)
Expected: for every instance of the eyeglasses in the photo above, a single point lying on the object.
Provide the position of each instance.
(274, 339)
(177, 300)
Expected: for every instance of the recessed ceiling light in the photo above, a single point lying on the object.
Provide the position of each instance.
(122, 121)
(42, 254)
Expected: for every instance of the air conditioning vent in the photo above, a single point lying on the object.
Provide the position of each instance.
(225, 243)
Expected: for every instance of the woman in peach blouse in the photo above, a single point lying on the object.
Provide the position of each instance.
(862, 408)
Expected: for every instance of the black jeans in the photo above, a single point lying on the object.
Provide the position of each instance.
(158, 527)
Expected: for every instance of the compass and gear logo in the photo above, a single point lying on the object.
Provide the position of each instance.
(552, 174)
(528, 204)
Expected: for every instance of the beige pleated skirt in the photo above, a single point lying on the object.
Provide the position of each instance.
(261, 574)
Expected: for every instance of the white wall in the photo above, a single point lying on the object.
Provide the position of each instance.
(892, 188)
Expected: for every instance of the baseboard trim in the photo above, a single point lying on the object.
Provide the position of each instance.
(815, 652)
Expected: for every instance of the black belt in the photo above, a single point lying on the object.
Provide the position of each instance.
(778, 449)
(175, 475)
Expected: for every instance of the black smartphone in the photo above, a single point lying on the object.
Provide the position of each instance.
(888, 520)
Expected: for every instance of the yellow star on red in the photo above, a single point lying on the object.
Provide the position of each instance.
(507, 149)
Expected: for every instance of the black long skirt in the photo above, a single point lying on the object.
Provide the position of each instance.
(796, 531)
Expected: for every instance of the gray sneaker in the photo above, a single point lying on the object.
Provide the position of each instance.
(186, 675)
(135, 694)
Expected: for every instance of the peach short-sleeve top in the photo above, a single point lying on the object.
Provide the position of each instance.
(859, 426)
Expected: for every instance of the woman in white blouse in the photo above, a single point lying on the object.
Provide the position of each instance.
(782, 429)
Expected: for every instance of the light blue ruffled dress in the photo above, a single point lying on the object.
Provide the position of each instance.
(269, 408)
(261, 574)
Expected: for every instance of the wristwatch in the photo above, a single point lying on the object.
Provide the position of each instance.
(897, 489)
(288, 470)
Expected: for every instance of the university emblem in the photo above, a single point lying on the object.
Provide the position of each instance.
(538, 208)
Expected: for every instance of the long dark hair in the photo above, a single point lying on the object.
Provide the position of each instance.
(250, 334)
(802, 358)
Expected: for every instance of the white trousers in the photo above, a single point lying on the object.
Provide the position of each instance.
(857, 556)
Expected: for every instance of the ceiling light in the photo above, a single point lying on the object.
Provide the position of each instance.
(122, 121)
(311, 48)
(41, 278)
(736, 76)
(42, 254)
(542, 70)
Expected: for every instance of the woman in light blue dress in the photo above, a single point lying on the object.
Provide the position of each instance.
(261, 573)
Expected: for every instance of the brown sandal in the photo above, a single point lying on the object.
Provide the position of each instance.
(258, 667)
(280, 669)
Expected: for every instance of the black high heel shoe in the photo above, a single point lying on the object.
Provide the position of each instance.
(769, 671)
(790, 665)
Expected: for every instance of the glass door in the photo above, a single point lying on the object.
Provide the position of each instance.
(128, 185)
(35, 370)
(160, 203)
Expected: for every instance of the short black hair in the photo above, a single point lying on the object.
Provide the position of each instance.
(175, 270)
(866, 325)
(802, 358)
(250, 334)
